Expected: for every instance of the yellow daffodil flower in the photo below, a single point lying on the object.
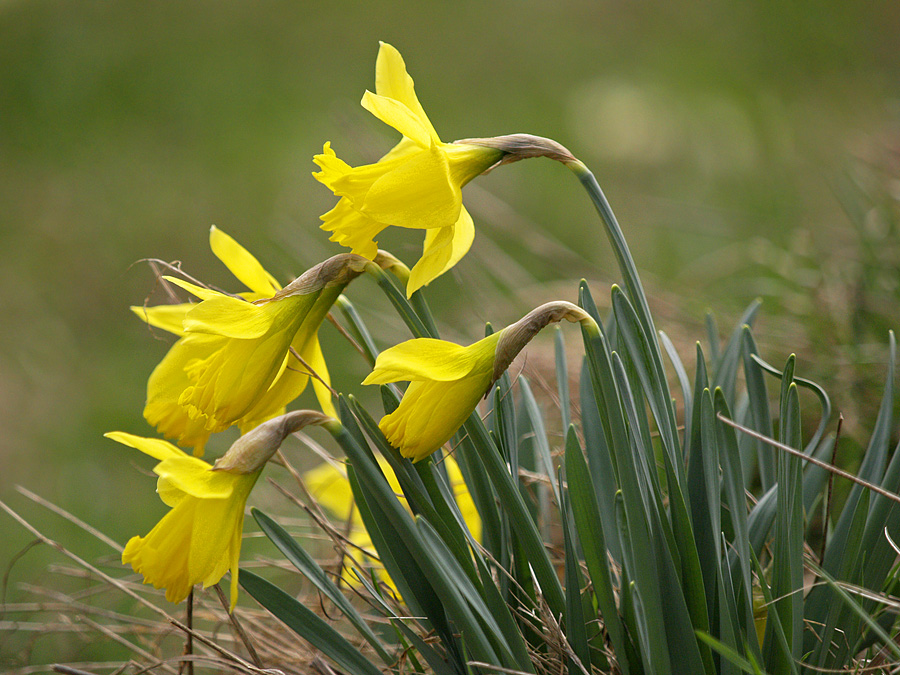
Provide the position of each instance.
(235, 361)
(200, 538)
(328, 484)
(447, 380)
(416, 185)
(446, 383)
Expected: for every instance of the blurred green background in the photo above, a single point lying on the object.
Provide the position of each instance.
(749, 149)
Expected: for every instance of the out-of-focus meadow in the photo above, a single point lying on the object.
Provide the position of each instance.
(750, 150)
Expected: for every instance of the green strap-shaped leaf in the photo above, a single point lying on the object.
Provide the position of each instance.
(519, 517)
(307, 625)
(589, 528)
(312, 571)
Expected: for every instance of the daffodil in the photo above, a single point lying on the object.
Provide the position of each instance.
(416, 185)
(328, 484)
(199, 539)
(447, 380)
(242, 359)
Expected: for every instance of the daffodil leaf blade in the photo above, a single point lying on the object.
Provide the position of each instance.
(305, 623)
(312, 571)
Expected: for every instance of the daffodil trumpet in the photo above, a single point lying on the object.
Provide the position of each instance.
(447, 380)
(199, 539)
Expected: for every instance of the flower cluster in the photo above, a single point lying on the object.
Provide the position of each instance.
(240, 359)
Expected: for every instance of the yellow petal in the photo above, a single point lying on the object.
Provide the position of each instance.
(193, 289)
(396, 114)
(230, 317)
(316, 360)
(156, 448)
(430, 359)
(241, 263)
(393, 81)
(331, 489)
(162, 556)
(167, 381)
(195, 477)
(444, 247)
(352, 229)
(168, 317)
(430, 413)
(416, 193)
(332, 167)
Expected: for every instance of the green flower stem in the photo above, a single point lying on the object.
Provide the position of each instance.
(620, 247)
(417, 300)
(415, 324)
(358, 328)
(633, 286)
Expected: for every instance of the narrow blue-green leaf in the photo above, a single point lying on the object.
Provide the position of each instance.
(620, 248)
(730, 655)
(649, 537)
(685, 384)
(586, 302)
(589, 526)
(652, 377)
(412, 485)
(872, 467)
(710, 459)
(502, 417)
(374, 485)
(311, 570)
(726, 366)
(307, 625)
(500, 610)
(439, 664)
(352, 426)
(733, 482)
(599, 460)
(690, 573)
(562, 378)
(828, 618)
(519, 517)
(482, 492)
(464, 602)
(774, 648)
(705, 534)
(541, 446)
(787, 565)
(423, 311)
(400, 565)
(821, 394)
(887, 641)
(762, 515)
(760, 417)
(575, 619)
